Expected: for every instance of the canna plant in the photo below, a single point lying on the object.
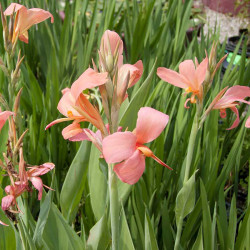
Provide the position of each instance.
(13, 163)
(197, 205)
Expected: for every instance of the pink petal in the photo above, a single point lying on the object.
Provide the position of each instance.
(150, 124)
(81, 136)
(248, 122)
(12, 7)
(237, 120)
(71, 130)
(4, 116)
(132, 169)
(201, 71)
(233, 94)
(187, 70)
(38, 184)
(118, 146)
(111, 39)
(40, 170)
(172, 77)
(7, 201)
(66, 104)
(88, 80)
(58, 121)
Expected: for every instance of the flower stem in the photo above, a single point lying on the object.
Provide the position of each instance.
(114, 207)
(191, 143)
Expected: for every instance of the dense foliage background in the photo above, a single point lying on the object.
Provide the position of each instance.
(75, 215)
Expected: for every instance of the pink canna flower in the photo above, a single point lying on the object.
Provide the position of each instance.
(190, 77)
(25, 18)
(12, 193)
(76, 107)
(4, 116)
(230, 98)
(128, 147)
(248, 122)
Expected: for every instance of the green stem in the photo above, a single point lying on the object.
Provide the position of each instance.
(178, 235)
(114, 207)
(191, 142)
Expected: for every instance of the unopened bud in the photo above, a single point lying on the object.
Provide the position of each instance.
(17, 101)
(212, 57)
(110, 63)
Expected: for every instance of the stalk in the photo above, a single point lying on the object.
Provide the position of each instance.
(190, 151)
(114, 207)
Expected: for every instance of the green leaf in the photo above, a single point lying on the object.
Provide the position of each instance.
(198, 245)
(125, 240)
(99, 237)
(185, 200)
(150, 236)
(58, 234)
(206, 219)
(74, 182)
(7, 233)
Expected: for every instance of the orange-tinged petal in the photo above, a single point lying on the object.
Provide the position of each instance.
(88, 80)
(172, 77)
(150, 124)
(132, 169)
(248, 122)
(118, 146)
(12, 7)
(58, 121)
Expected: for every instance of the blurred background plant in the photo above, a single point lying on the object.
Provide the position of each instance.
(57, 54)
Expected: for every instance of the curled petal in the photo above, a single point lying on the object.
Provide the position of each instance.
(81, 136)
(132, 169)
(118, 146)
(88, 80)
(38, 184)
(150, 124)
(58, 121)
(237, 120)
(172, 77)
(7, 201)
(186, 102)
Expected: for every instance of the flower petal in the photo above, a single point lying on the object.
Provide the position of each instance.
(2, 223)
(12, 7)
(88, 80)
(201, 71)
(172, 77)
(71, 130)
(38, 184)
(40, 170)
(233, 94)
(7, 201)
(237, 120)
(132, 169)
(187, 70)
(4, 116)
(118, 146)
(150, 124)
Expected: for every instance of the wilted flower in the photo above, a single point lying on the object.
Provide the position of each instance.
(127, 147)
